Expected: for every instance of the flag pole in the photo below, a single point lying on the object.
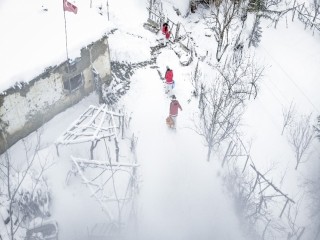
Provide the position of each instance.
(66, 37)
(108, 8)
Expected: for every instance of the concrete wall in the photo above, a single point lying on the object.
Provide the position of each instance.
(24, 109)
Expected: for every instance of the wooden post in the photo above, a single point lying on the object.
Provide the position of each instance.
(93, 146)
(150, 7)
(91, 150)
(57, 150)
(226, 155)
(270, 183)
(122, 126)
(161, 20)
(117, 149)
(108, 8)
(260, 204)
(294, 10)
(301, 233)
(245, 165)
(177, 32)
(255, 183)
(285, 205)
(265, 229)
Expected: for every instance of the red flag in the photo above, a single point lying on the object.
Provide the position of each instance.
(67, 6)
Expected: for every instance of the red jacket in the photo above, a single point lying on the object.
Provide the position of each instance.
(174, 105)
(164, 29)
(169, 76)
(167, 35)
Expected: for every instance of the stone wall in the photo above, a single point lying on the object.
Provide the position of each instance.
(25, 108)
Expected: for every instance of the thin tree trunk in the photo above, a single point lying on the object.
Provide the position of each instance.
(209, 153)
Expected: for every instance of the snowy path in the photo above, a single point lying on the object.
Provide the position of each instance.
(181, 195)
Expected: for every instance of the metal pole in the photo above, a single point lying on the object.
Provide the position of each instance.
(108, 9)
(66, 36)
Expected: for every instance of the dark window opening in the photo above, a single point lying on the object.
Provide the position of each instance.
(96, 78)
(73, 83)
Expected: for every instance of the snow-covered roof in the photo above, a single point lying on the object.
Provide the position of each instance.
(35, 34)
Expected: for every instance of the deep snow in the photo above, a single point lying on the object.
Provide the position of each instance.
(181, 194)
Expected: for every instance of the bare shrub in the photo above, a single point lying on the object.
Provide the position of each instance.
(222, 99)
(300, 137)
(288, 116)
(24, 193)
(221, 20)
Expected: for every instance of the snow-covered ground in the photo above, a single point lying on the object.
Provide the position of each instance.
(181, 194)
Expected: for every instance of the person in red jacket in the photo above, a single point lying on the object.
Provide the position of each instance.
(165, 28)
(167, 37)
(169, 80)
(174, 108)
(166, 33)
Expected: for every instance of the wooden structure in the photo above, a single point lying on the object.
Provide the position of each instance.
(94, 125)
(110, 178)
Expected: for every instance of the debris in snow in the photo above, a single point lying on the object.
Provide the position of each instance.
(177, 11)
(207, 33)
(43, 229)
(185, 56)
(151, 26)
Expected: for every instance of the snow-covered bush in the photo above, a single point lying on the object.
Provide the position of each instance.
(24, 194)
(32, 203)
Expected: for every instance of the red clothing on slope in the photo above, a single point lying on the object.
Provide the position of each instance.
(169, 76)
(174, 106)
(167, 35)
(164, 29)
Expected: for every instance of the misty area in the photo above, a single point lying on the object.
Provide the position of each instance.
(200, 120)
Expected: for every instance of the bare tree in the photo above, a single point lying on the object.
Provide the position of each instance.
(295, 231)
(253, 201)
(288, 116)
(221, 20)
(242, 76)
(310, 15)
(300, 137)
(256, 32)
(222, 99)
(219, 113)
(273, 10)
(257, 198)
(255, 75)
(195, 80)
(23, 203)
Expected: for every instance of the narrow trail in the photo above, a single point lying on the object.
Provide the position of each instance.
(181, 196)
